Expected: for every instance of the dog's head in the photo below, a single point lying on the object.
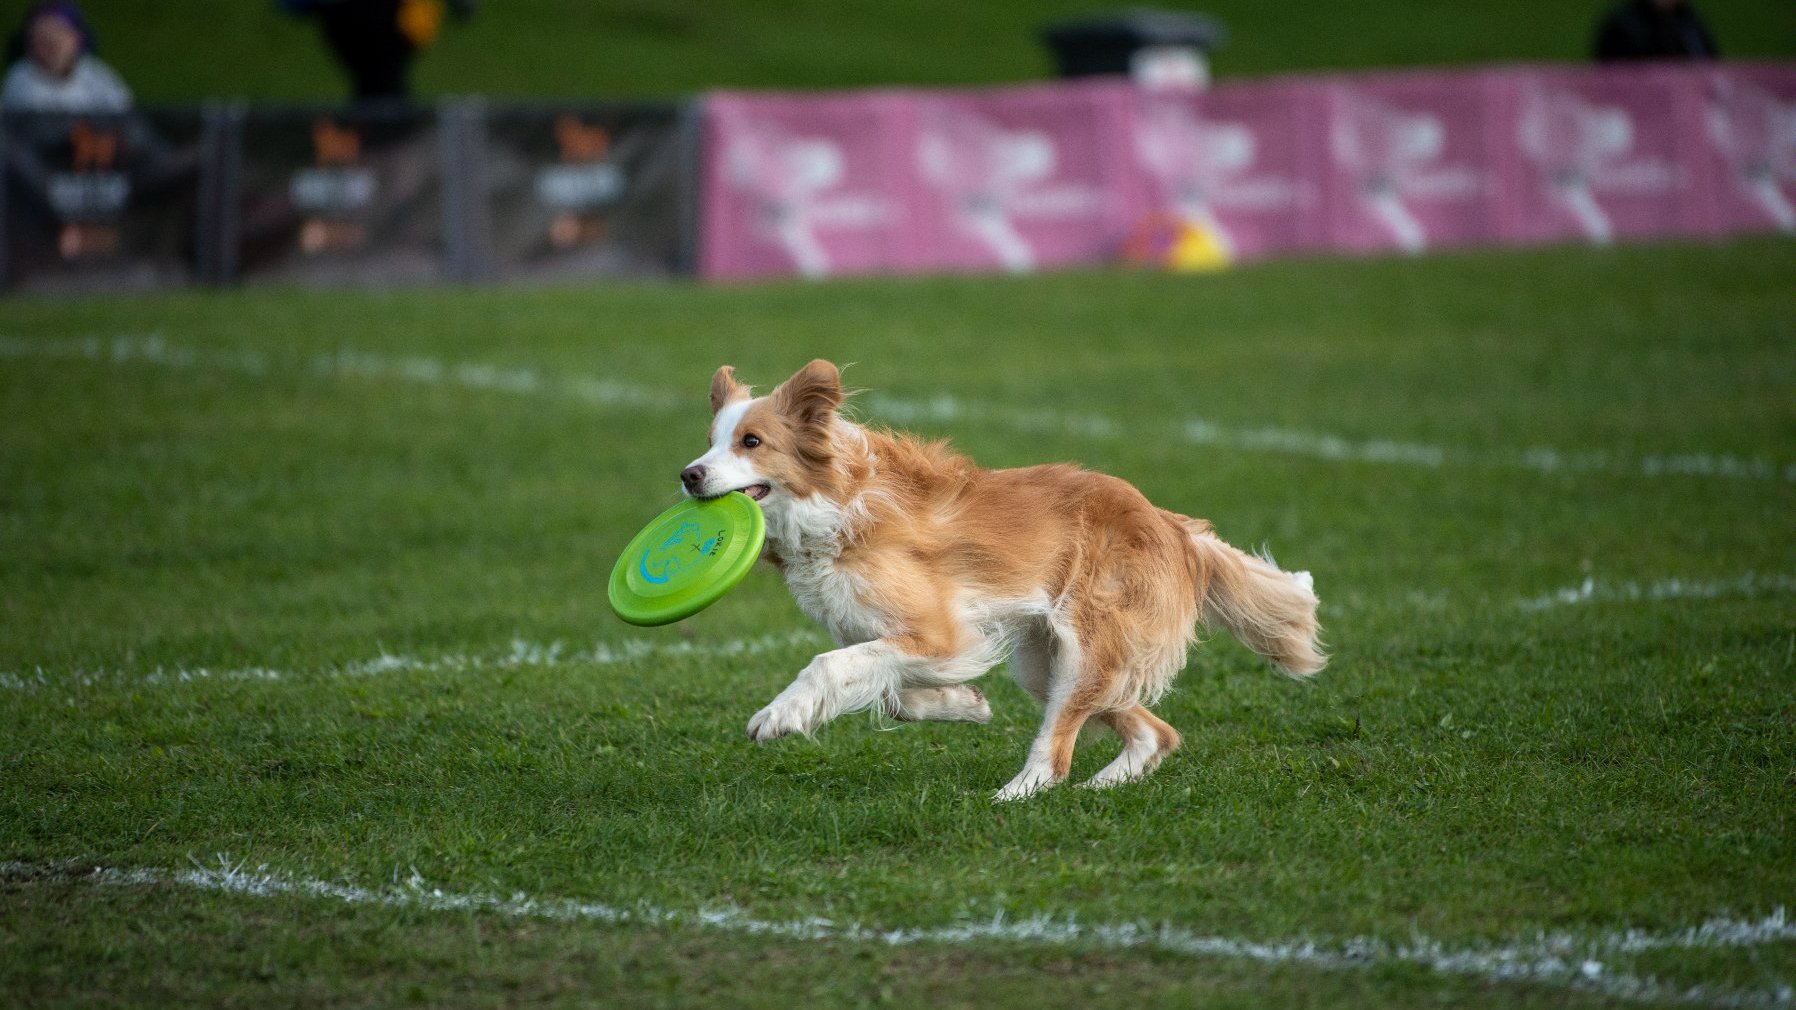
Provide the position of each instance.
(773, 448)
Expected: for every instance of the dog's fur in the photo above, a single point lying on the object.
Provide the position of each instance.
(928, 570)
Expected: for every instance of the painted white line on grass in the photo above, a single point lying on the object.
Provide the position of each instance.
(597, 390)
(1559, 959)
(521, 654)
(150, 348)
(154, 349)
(1592, 591)
(944, 409)
(607, 392)
(1323, 445)
(1309, 443)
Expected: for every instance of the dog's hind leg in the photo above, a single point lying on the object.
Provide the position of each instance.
(1071, 698)
(1146, 740)
(1051, 755)
(1032, 660)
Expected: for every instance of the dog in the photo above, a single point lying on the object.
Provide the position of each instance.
(928, 571)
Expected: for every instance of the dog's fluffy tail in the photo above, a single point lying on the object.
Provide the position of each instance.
(1270, 611)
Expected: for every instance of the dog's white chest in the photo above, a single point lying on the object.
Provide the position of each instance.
(808, 534)
(832, 598)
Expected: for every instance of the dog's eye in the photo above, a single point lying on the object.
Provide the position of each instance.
(750, 441)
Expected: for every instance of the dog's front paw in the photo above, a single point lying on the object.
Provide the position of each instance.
(791, 712)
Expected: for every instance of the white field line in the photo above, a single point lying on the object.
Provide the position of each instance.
(522, 654)
(132, 348)
(154, 349)
(1558, 959)
(1592, 591)
(1321, 445)
(596, 390)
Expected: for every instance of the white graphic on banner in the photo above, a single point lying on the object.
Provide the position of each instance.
(1194, 160)
(1584, 149)
(1756, 133)
(992, 176)
(791, 179)
(1395, 155)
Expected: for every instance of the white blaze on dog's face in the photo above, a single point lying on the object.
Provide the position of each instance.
(775, 445)
(729, 464)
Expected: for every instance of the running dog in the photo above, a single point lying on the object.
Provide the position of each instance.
(928, 571)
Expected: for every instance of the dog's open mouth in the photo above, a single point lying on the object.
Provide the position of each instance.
(757, 491)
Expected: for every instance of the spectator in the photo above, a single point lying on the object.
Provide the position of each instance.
(1653, 30)
(56, 70)
(376, 40)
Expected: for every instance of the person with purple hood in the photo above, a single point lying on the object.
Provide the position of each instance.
(58, 71)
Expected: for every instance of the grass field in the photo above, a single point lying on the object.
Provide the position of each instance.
(198, 49)
(305, 590)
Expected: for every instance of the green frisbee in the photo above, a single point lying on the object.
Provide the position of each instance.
(687, 558)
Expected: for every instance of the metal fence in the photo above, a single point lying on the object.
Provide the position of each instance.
(463, 190)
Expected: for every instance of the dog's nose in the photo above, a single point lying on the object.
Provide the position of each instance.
(692, 477)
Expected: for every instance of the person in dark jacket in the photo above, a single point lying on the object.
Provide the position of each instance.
(1654, 30)
(375, 40)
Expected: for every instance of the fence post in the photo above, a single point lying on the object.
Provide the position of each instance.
(462, 148)
(221, 191)
(690, 120)
(5, 174)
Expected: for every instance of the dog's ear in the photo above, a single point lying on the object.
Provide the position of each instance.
(725, 389)
(812, 395)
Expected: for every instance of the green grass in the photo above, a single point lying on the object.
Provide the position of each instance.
(1465, 769)
(324, 956)
(566, 48)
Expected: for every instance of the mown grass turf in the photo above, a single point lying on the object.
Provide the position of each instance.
(1468, 768)
(61, 944)
(199, 49)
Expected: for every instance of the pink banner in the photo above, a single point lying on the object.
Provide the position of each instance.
(1601, 154)
(1746, 124)
(1028, 178)
(813, 186)
(1235, 162)
(1410, 163)
(1022, 178)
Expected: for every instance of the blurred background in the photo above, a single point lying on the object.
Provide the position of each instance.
(313, 577)
(197, 49)
(373, 142)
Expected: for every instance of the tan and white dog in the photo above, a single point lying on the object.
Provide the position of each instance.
(928, 570)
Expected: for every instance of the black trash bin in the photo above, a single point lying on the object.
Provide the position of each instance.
(1108, 44)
